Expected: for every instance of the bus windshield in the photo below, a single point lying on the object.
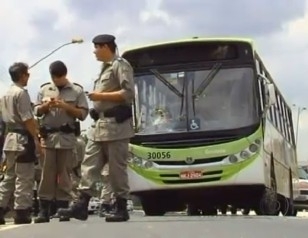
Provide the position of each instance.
(210, 101)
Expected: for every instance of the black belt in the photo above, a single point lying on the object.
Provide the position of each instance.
(52, 130)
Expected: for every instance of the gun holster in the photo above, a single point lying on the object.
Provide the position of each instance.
(121, 113)
(67, 129)
(93, 114)
(28, 155)
(77, 129)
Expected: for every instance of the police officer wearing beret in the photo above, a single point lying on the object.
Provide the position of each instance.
(60, 104)
(111, 130)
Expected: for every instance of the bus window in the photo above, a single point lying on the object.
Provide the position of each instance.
(227, 102)
(160, 108)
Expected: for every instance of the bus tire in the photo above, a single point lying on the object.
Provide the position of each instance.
(224, 210)
(193, 210)
(152, 208)
(209, 211)
(269, 203)
(245, 211)
(233, 210)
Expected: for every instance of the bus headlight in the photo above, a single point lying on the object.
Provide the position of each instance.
(139, 162)
(253, 148)
(148, 164)
(244, 154)
(233, 159)
(258, 142)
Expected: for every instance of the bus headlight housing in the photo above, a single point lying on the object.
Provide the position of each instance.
(139, 162)
(252, 149)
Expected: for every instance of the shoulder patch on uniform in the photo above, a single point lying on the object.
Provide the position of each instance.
(77, 84)
(44, 84)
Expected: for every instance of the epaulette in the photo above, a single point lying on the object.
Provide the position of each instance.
(45, 84)
(119, 58)
(77, 84)
(122, 60)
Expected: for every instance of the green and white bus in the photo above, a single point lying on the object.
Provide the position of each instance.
(212, 129)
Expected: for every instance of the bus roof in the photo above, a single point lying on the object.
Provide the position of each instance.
(195, 39)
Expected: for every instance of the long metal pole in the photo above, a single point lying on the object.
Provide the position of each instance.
(74, 41)
(299, 110)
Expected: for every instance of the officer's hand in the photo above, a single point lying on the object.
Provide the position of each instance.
(45, 106)
(59, 104)
(94, 96)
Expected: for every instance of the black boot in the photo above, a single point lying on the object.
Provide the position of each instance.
(64, 205)
(36, 205)
(78, 210)
(2, 214)
(104, 210)
(53, 209)
(121, 213)
(43, 216)
(22, 216)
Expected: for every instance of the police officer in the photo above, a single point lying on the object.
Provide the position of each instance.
(19, 146)
(106, 194)
(109, 135)
(60, 103)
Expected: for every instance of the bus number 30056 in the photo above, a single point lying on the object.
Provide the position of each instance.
(159, 155)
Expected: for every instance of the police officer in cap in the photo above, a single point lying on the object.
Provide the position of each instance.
(110, 132)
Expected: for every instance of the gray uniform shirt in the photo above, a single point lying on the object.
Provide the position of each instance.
(72, 94)
(116, 75)
(16, 109)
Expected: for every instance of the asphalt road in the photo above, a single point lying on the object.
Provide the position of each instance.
(176, 225)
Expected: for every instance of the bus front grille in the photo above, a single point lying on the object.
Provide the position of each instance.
(196, 161)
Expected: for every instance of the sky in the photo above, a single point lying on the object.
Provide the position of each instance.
(31, 29)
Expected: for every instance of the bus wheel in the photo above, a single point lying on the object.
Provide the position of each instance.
(269, 204)
(211, 211)
(287, 205)
(192, 210)
(233, 210)
(223, 210)
(151, 208)
(295, 212)
(245, 211)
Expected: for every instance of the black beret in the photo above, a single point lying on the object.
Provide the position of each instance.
(103, 39)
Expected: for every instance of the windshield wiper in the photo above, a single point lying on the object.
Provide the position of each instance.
(165, 81)
(206, 82)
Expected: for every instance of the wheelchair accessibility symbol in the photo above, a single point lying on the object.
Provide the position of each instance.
(194, 124)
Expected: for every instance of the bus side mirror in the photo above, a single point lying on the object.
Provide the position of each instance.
(270, 95)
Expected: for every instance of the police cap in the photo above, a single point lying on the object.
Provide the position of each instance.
(103, 39)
